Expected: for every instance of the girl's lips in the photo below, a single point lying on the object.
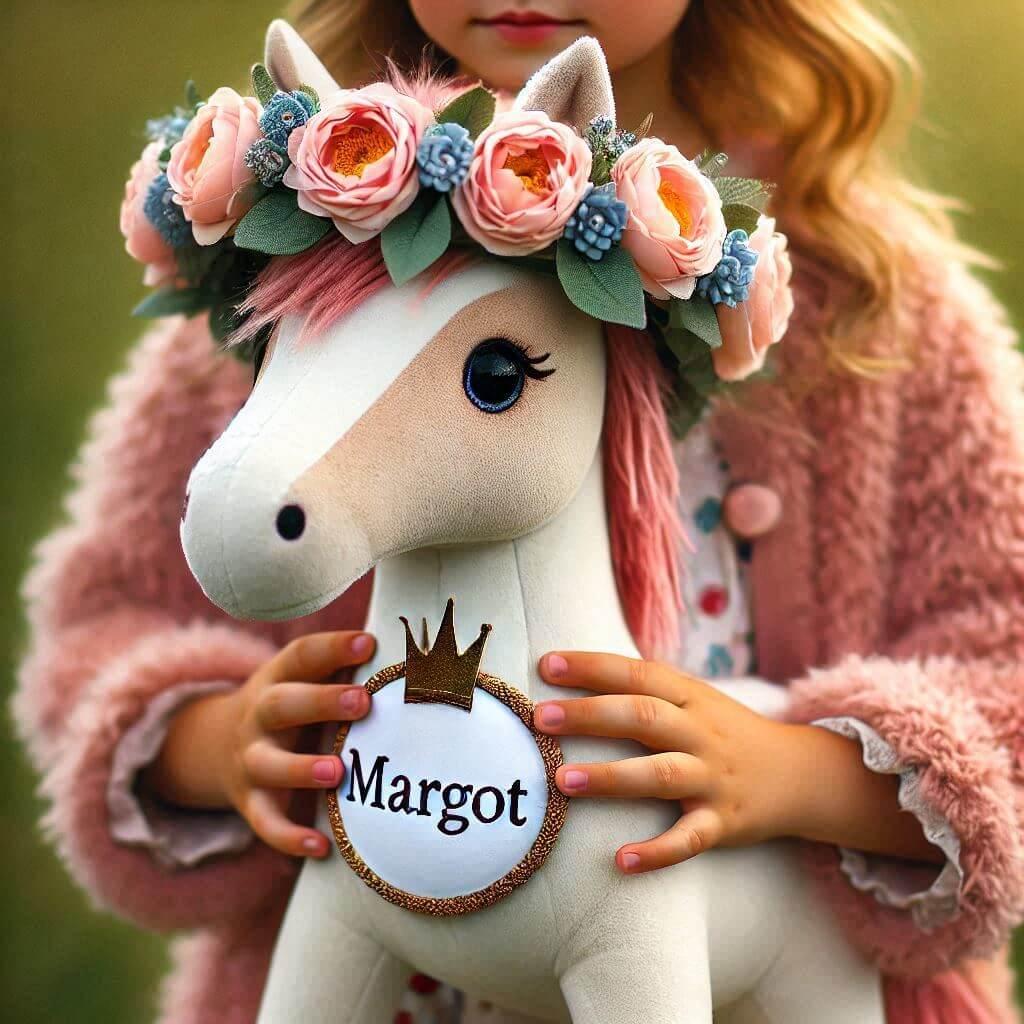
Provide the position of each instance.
(526, 28)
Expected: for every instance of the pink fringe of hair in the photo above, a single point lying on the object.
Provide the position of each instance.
(641, 481)
(641, 486)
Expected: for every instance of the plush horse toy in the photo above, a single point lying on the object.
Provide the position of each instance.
(421, 435)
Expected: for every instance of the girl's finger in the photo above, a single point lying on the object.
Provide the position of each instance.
(269, 822)
(317, 656)
(669, 776)
(269, 766)
(288, 705)
(613, 673)
(693, 833)
(656, 723)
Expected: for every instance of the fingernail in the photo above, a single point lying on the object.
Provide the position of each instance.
(362, 645)
(312, 844)
(550, 715)
(555, 666)
(574, 779)
(325, 771)
(630, 861)
(351, 701)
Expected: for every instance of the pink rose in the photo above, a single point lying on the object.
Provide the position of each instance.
(675, 229)
(355, 161)
(749, 330)
(527, 176)
(143, 242)
(207, 167)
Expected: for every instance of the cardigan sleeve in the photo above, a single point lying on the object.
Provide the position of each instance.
(946, 690)
(115, 622)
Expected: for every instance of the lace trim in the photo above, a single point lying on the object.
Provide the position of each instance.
(175, 836)
(932, 899)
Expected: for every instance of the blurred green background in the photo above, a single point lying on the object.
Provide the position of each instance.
(81, 79)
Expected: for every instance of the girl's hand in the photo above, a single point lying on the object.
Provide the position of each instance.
(236, 749)
(739, 777)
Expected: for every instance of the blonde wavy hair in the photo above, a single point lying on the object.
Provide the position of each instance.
(826, 81)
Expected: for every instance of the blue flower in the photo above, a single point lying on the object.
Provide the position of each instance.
(605, 142)
(268, 161)
(167, 129)
(165, 214)
(619, 143)
(284, 112)
(596, 224)
(730, 281)
(443, 156)
(599, 129)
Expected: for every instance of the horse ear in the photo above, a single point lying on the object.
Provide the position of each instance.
(292, 63)
(573, 87)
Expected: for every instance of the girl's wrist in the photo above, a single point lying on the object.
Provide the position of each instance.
(188, 769)
(831, 796)
(810, 782)
(797, 803)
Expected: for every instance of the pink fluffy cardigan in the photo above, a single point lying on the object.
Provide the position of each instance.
(891, 590)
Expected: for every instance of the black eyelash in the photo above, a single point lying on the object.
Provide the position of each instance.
(531, 363)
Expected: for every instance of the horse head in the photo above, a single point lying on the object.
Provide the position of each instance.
(460, 409)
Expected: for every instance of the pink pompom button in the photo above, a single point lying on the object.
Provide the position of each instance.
(752, 510)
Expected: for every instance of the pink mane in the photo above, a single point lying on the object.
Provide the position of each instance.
(641, 482)
(641, 487)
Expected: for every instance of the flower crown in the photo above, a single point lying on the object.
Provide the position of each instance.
(636, 233)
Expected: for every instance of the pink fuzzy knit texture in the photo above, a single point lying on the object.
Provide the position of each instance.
(981, 992)
(897, 572)
(642, 493)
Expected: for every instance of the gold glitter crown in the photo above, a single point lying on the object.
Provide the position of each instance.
(439, 674)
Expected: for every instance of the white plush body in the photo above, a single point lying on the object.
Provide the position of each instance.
(368, 429)
(732, 928)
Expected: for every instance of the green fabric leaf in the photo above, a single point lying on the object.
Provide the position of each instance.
(416, 238)
(223, 320)
(192, 97)
(600, 170)
(608, 289)
(311, 93)
(644, 128)
(276, 225)
(684, 410)
(740, 190)
(698, 316)
(262, 84)
(740, 215)
(711, 162)
(171, 301)
(696, 381)
(195, 262)
(474, 110)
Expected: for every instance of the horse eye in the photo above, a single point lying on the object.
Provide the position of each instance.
(494, 375)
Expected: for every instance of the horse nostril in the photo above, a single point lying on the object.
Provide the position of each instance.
(291, 521)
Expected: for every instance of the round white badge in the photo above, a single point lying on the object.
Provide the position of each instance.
(445, 808)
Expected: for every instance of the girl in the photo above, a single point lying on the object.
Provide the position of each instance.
(874, 485)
